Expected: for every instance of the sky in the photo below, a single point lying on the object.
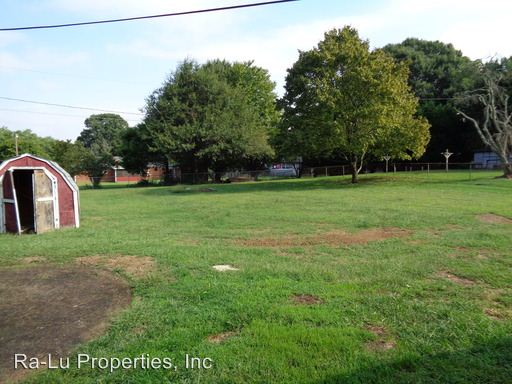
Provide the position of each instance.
(117, 66)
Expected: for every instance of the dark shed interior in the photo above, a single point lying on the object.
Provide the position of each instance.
(25, 195)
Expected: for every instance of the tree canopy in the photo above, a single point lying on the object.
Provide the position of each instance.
(103, 137)
(104, 130)
(216, 116)
(341, 98)
(438, 73)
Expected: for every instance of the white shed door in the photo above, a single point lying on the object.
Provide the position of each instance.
(44, 210)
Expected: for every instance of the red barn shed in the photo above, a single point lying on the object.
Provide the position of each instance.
(36, 195)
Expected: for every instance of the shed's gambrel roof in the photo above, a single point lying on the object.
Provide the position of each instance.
(67, 177)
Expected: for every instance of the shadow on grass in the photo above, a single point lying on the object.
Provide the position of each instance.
(303, 184)
(112, 185)
(287, 185)
(490, 362)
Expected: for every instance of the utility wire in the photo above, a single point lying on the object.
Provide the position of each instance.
(146, 17)
(69, 106)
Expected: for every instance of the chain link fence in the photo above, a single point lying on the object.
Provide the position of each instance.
(425, 169)
(329, 170)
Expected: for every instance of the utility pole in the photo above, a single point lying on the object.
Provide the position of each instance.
(16, 143)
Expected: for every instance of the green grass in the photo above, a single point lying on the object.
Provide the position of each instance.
(440, 328)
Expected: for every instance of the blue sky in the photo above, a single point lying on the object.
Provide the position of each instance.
(116, 66)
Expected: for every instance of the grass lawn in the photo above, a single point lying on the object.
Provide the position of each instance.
(434, 306)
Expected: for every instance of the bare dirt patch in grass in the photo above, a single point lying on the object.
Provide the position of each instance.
(135, 266)
(383, 342)
(491, 218)
(456, 279)
(380, 345)
(220, 337)
(51, 309)
(306, 299)
(332, 238)
(494, 314)
(377, 330)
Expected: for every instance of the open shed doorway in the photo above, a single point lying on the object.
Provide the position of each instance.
(24, 187)
(35, 199)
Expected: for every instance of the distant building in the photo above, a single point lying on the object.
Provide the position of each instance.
(486, 160)
(118, 173)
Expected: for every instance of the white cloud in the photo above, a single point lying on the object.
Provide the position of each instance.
(277, 49)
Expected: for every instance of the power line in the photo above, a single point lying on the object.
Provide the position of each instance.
(69, 106)
(146, 17)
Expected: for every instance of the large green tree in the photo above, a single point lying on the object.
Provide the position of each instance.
(215, 116)
(342, 99)
(438, 73)
(103, 138)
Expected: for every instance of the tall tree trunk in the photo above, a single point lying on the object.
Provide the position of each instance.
(355, 170)
(167, 174)
(507, 170)
(356, 165)
(96, 182)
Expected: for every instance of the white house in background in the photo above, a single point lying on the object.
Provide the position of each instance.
(486, 160)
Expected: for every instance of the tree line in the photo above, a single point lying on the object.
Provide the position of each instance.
(343, 102)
